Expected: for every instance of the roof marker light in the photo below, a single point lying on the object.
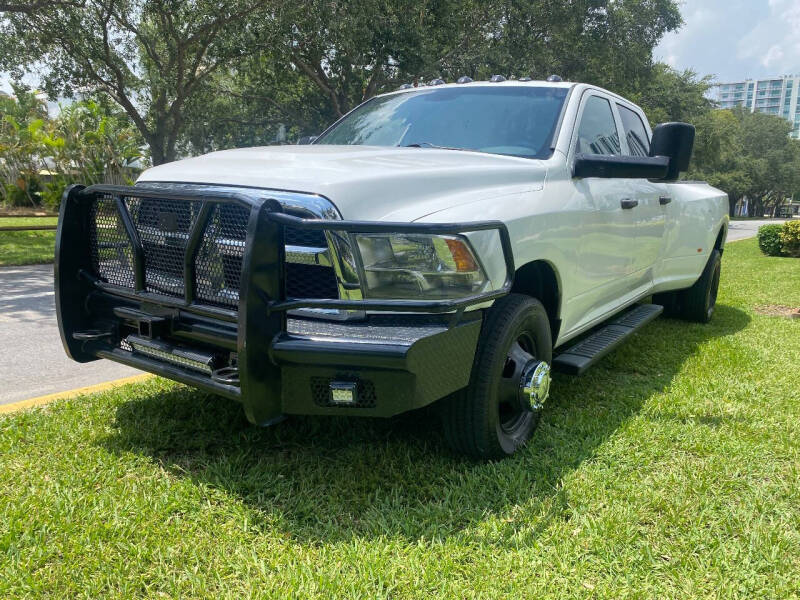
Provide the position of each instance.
(524, 79)
(464, 79)
(406, 86)
(497, 79)
(554, 78)
(436, 81)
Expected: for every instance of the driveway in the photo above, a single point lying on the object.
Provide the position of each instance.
(33, 362)
(741, 230)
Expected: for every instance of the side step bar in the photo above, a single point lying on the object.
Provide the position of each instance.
(576, 359)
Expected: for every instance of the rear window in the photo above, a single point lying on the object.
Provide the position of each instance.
(635, 132)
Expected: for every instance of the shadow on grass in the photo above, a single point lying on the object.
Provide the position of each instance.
(327, 479)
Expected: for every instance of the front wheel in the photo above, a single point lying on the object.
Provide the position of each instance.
(510, 382)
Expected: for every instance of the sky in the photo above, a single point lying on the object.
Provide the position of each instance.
(735, 39)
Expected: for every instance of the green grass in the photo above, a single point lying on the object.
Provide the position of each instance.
(26, 221)
(26, 247)
(671, 470)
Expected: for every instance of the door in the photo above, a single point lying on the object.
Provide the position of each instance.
(651, 197)
(605, 256)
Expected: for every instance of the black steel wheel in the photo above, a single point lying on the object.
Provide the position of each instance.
(495, 415)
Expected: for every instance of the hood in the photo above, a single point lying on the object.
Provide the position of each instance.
(364, 182)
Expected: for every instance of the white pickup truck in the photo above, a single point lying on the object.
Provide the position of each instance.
(450, 242)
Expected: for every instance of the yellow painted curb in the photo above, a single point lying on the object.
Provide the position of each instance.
(100, 387)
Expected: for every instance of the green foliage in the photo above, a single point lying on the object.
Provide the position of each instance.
(747, 154)
(90, 141)
(22, 128)
(199, 75)
(790, 238)
(150, 56)
(350, 51)
(769, 239)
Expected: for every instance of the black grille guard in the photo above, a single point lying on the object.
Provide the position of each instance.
(262, 302)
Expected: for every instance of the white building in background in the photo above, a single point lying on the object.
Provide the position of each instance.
(776, 96)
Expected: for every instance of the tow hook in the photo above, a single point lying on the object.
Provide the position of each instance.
(534, 385)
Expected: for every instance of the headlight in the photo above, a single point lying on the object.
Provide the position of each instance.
(413, 265)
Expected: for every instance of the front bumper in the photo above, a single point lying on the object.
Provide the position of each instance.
(271, 363)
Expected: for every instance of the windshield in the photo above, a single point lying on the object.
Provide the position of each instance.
(513, 120)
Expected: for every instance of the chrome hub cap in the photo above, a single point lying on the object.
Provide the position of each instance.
(534, 385)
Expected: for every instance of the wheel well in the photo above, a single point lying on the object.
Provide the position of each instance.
(720, 238)
(539, 279)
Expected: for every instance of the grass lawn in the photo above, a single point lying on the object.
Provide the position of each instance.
(670, 470)
(26, 247)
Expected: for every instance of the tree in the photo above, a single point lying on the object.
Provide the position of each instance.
(605, 42)
(256, 105)
(22, 119)
(747, 154)
(92, 141)
(151, 56)
(351, 51)
(30, 7)
(669, 95)
(719, 156)
(770, 158)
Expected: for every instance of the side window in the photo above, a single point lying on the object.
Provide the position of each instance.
(597, 133)
(635, 132)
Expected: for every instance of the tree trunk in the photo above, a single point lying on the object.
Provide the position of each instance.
(162, 148)
(156, 151)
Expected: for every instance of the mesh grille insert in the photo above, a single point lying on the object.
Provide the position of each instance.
(111, 250)
(310, 281)
(164, 227)
(304, 237)
(219, 257)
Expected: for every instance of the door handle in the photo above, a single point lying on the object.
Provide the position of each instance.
(664, 200)
(627, 203)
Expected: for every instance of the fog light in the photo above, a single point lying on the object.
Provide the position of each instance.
(343, 392)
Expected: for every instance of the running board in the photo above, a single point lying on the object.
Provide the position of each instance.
(584, 354)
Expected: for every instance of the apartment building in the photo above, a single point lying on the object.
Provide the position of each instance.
(776, 96)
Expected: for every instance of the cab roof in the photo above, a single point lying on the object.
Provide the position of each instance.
(507, 83)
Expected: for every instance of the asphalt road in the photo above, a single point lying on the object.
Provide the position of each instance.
(740, 230)
(33, 362)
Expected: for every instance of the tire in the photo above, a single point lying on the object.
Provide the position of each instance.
(700, 300)
(671, 301)
(695, 303)
(479, 421)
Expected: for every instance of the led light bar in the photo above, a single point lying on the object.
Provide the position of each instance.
(182, 357)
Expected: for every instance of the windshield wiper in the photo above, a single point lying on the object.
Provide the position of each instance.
(429, 145)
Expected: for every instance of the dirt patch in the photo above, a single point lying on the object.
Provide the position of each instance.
(777, 310)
